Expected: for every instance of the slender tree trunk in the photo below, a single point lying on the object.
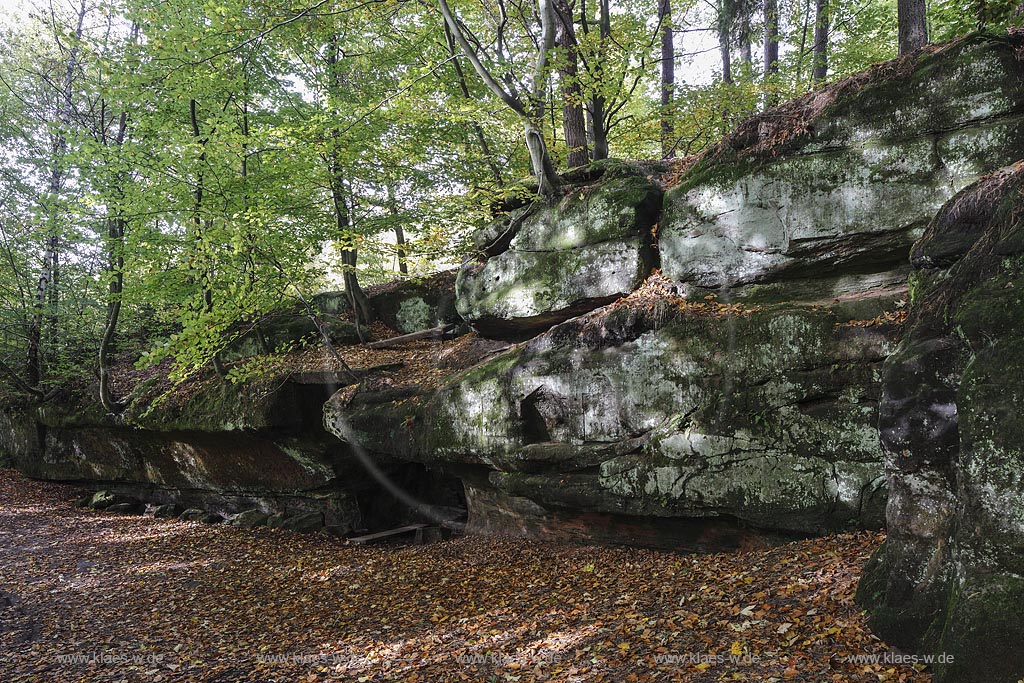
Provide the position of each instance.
(596, 131)
(46, 287)
(668, 78)
(539, 157)
(357, 299)
(746, 48)
(771, 44)
(820, 50)
(403, 265)
(726, 12)
(723, 48)
(478, 130)
(201, 267)
(349, 255)
(115, 235)
(802, 50)
(34, 365)
(116, 226)
(597, 107)
(574, 124)
(912, 24)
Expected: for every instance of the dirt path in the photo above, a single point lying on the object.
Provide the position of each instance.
(88, 596)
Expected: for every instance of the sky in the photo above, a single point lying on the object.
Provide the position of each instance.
(11, 10)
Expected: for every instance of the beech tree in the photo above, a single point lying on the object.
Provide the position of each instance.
(771, 40)
(527, 99)
(574, 122)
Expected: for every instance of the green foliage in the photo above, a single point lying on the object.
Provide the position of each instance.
(242, 146)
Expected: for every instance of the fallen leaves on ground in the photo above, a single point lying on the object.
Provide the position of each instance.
(151, 600)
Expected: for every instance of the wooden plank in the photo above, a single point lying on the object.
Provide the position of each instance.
(369, 538)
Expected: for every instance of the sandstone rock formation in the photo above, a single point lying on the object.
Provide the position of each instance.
(658, 409)
(540, 265)
(950, 578)
(650, 419)
(833, 188)
(226, 449)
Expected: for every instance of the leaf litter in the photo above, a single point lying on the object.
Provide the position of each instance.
(101, 598)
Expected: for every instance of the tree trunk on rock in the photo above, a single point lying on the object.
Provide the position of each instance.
(912, 25)
(574, 123)
(771, 44)
(530, 108)
(725, 18)
(819, 52)
(668, 78)
(597, 106)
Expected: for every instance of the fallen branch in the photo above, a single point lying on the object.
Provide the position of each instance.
(432, 333)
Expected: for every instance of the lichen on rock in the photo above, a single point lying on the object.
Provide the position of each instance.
(948, 579)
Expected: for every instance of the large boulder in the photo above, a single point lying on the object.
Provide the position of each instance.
(828, 192)
(655, 409)
(416, 304)
(949, 579)
(544, 263)
(283, 331)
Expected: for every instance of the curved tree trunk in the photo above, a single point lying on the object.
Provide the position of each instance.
(531, 111)
(540, 160)
(115, 233)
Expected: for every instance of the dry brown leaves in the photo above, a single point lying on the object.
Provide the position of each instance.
(897, 317)
(425, 362)
(657, 290)
(156, 600)
(678, 170)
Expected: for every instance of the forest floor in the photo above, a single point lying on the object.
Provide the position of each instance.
(89, 596)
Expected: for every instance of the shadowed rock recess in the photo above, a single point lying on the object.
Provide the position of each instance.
(731, 399)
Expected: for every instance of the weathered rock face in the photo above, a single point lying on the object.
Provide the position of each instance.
(540, 265)
(418, 304)
(950, 577)
(405, 306)
(666, 422)
(841, 182)
(765, 417)
(648, 410)
(227, 449)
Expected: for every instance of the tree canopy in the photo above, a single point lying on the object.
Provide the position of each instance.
(172, 171)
